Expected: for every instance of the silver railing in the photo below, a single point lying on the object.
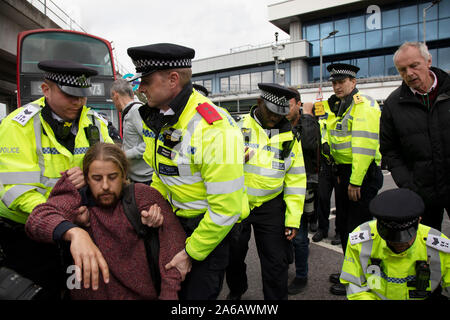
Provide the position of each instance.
(56, 14)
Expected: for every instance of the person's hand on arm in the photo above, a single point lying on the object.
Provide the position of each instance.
(152, 217)
(354, 192)
(76, 176)
(182, 262)
(87, 257)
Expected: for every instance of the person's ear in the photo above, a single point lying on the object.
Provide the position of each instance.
(45, 87)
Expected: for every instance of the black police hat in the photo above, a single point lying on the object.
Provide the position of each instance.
(71, 77)
(340, 71)
(276, 97)
(201, 88)
(159, 56)
(397, 212)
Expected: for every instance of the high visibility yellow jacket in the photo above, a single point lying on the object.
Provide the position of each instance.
(389, 277)
(354, 136)
(276, 166)
(31, 160)
(199, 169)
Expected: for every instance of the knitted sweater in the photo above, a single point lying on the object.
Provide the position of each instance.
(119, 244)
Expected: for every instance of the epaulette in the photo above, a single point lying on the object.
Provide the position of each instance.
(28, 112)
(209, 113)
(357, 98)
(439, 243)
(359, 236)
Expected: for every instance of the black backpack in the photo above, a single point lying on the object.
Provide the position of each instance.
(150, 235)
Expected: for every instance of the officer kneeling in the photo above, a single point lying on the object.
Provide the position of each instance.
(395, 257)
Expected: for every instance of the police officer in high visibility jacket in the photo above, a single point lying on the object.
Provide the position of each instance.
(196, 151)
(276, 184)
(353, 138)
(395, 257)
(43, 139)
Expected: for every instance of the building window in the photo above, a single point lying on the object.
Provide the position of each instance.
(408, 15)
(342, 26)
(245, 81)
(325, 29)
(391, 37)
(255, 78)
(357, 24)
(444, 29)
(357, 41)
(267, 76)
(389, 67)
(408, 33)
(373, 39)
(234, 83)
(208, 85)
(444, 58)
(389, 18)
(312, 32)
(224, 84)
(342, 44)
(376, 66)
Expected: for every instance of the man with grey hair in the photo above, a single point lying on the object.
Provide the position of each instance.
(133, 143)
(415, 130)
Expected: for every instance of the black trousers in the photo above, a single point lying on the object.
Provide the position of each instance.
(327, 182)
(434, 214)
(350, 214)
(274, 250)
(40, 262)
(205, 280)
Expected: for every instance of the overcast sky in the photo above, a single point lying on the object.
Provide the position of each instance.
(210, 27)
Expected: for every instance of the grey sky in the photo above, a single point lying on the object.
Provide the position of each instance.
(210, 27)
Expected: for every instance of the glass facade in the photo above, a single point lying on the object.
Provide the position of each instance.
(368, 33)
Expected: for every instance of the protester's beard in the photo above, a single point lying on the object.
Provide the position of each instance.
(107, 200)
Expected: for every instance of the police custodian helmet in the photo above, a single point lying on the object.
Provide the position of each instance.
(397, 212)
(71, 77)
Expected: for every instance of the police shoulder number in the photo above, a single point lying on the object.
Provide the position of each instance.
(439, 243)
(28, 112)
(359, 236)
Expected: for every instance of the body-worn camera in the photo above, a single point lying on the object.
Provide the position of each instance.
(15, 287)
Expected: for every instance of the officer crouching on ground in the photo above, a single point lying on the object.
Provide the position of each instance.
(395, 257)
(276, 184)
(44, 138)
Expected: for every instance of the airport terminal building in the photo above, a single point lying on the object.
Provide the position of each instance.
(368, 33)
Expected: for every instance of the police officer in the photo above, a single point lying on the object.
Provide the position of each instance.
(395, 257)
(196, 151)
(353, 138)
(276, 184)
(44, 138)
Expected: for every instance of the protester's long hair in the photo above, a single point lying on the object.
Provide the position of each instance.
(105, 152)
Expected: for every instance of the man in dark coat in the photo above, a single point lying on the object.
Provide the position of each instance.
(415, 131)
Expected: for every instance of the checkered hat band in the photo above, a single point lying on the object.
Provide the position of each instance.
(279, 101)
(68, 80)
(339, 72)
(394, 225)
(144, 65)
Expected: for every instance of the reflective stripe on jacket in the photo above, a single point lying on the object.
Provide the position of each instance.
(202, 174)
(354, 136)
(268, 172)
(29, 173)
(365, 281)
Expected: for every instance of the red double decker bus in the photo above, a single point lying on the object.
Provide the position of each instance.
(57, 44)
